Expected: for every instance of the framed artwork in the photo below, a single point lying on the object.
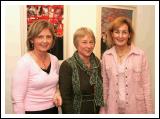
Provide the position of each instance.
(107, 15)
(55, 15)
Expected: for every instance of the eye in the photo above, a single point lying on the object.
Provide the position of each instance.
(125, 32)
(116, 32)
(40, 37)
(91, 42)
(49, 37)
(84, 42)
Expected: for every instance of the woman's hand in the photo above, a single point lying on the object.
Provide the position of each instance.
(57, 100)
(102, 110)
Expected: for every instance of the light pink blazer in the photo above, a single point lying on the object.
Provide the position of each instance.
(137, 82)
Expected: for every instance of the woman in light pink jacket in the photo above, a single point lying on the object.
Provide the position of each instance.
(125, 71)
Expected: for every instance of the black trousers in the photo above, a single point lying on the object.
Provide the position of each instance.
(53, 110)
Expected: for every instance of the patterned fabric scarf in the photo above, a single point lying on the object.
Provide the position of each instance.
(95, 80)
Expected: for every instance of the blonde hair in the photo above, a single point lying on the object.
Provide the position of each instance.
(116, 24)
(81, 32)
(35, 29)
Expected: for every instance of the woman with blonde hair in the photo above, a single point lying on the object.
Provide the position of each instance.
(125, 72)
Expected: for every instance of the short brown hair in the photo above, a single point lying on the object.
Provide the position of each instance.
(116, 24)
(35, 29)
(81, 32)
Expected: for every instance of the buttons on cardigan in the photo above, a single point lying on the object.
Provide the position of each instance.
(116, 92)
(126, 85)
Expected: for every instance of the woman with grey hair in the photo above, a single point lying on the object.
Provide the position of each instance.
(80, 77)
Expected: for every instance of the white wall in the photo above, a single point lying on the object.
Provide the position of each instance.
(13, 48)
(77, 16)
(145, 37)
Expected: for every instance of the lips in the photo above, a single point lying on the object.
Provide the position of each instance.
(44, 45)
(120, 40)
(88, 52)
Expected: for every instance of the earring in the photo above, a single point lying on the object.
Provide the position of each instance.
(32, 45)
(129, 36)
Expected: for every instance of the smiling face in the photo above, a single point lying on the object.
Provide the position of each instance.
(43, 41)
(85, 46)
(121, 35)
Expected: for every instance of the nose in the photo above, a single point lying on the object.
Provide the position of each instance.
(120, 35)
(89, 45)
(44, 39)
